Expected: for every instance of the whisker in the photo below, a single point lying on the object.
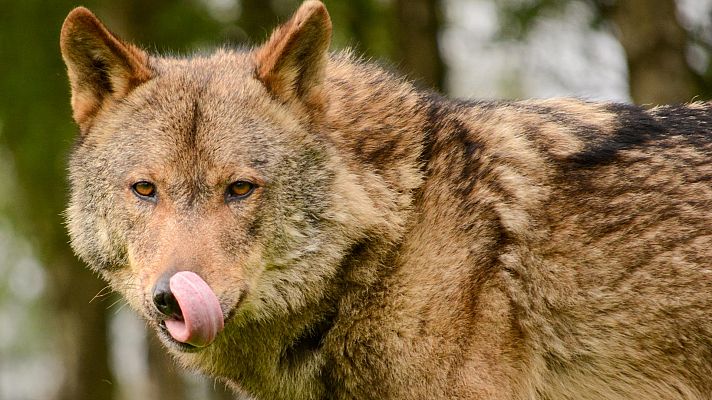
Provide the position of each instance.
(120, 299)
(120, 308)
(105, 291)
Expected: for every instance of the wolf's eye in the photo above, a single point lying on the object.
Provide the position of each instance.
(144, 189)
(239, 190)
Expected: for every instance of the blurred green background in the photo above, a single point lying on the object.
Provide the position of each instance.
(62, 336)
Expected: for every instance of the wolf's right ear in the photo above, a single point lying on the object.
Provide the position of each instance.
(100, 66)
(291, 64)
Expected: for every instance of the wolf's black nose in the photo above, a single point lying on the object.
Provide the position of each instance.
(164, 300)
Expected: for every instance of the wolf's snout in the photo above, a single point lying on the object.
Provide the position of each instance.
(193, 310)
(164, 300)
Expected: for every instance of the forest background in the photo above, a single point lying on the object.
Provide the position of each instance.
(62, 336)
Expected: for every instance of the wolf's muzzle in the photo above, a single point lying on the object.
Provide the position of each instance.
(192, 311)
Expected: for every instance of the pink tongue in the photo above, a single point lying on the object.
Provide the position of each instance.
(202, 315)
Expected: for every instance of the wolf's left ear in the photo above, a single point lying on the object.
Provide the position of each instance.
(292, 62)
(100, 66)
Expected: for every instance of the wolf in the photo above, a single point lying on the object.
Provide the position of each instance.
(303, 224)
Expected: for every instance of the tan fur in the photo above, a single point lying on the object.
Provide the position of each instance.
(99, 65)
(291, 64)
(399, 245)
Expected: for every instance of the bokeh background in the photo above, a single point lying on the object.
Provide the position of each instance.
(64, 336)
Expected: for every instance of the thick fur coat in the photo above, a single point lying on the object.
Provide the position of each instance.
(395, 244)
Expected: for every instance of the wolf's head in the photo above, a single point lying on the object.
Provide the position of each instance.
(207, 190)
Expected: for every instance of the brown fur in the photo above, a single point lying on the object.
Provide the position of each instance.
(399, 245)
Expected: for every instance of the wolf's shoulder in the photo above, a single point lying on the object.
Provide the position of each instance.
(534, 149)
(586, 133)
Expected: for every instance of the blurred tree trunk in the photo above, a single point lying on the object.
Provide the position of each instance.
(655, 46)
(417, 29)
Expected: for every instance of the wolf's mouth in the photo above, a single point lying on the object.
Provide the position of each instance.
(170, 341)
(190, 316)
(190, 310)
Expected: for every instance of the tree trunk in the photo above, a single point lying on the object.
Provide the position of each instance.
(417, 29)
(655, 45)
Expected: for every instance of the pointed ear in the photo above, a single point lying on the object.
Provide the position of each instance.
(100, 66)
(292, 62)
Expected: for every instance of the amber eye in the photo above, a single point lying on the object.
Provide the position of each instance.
(239, 190)
(144, 189)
